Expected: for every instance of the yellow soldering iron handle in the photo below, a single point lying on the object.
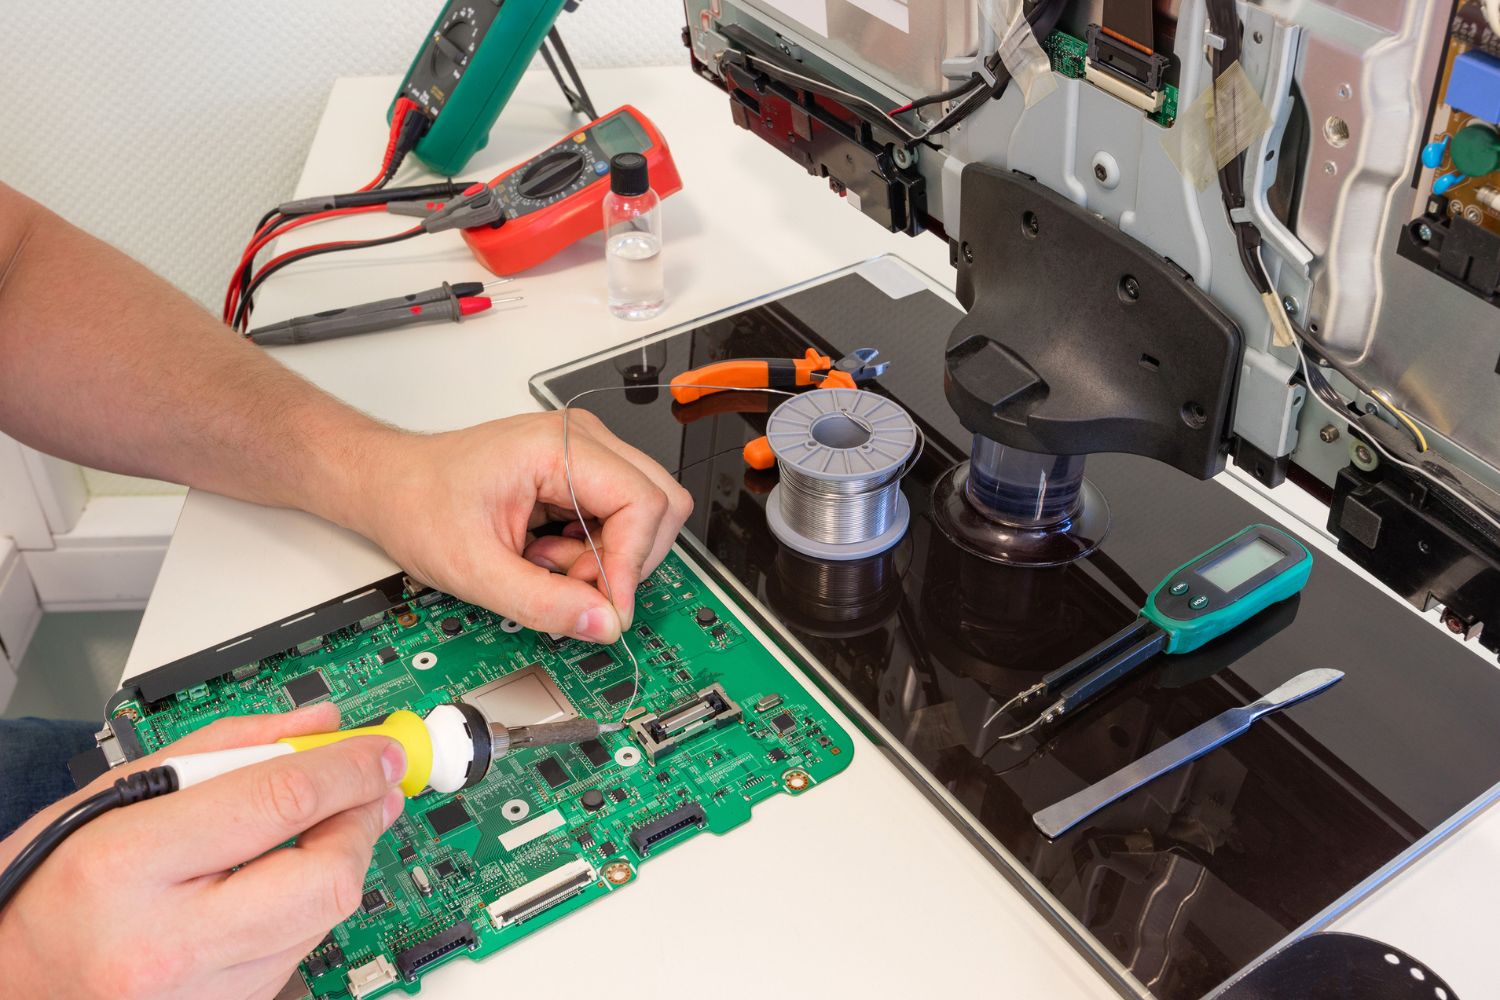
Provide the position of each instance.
(405, 727)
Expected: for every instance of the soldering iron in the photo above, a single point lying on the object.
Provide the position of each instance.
(450, 749)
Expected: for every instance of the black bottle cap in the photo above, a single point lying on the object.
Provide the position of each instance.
(628, 175)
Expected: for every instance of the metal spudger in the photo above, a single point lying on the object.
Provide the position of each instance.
(1056, 820)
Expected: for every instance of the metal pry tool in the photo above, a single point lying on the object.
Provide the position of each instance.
(1055, 820)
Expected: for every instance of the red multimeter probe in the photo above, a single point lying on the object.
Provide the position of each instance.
(556, 198)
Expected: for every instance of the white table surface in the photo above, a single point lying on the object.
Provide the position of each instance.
(859, 889)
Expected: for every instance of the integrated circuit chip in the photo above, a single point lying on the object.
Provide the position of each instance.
(307, 688)
(407, 852)
(385, 654)
(552, 771)
(374, 901)
(445, 869)
(618, 693)
(784, 722)
(448, 817)
(595, 662)
(595, 752)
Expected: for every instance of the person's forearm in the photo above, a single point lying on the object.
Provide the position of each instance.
(105, 364)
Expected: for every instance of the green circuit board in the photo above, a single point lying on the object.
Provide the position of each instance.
(469, 873)
(1069, 56)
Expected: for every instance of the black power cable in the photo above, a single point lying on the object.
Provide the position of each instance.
(973, 81)
(1043, 18)
(138, 787)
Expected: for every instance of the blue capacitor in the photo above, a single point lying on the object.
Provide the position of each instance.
(1433, 153)
(1447, 182)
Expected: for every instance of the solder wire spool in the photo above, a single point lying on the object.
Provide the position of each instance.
(840, 454)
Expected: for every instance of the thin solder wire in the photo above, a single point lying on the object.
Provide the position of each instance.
(838, 512)
(588, 536)
(843, 512)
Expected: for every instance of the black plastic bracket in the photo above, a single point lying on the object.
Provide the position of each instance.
(276, 637)
(1268, 470)
(856, 156)
(1080, 339)
(1454, 248)
(1399, 529)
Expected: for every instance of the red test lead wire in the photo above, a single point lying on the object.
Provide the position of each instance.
(398, 144)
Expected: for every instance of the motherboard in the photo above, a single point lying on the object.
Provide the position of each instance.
(715, 725)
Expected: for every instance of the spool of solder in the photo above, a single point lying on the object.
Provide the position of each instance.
(841, 454)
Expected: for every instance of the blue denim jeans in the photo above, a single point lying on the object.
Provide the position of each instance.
(34, 757)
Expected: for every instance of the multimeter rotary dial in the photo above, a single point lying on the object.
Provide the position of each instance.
(454, 42)
(551, 173)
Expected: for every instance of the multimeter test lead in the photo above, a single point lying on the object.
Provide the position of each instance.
(449, 302)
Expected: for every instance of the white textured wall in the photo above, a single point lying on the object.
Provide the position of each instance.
(167, 126)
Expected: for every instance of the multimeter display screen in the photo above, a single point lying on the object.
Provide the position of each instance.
(1241, 564)
(620, 134)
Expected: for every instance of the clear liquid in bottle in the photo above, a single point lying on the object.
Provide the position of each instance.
(632, 241)
(636, 289)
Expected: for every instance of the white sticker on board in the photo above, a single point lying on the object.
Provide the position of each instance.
(892, 12)
(520, 836)
(809, 13)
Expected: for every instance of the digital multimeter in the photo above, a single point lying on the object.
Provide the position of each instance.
(556, 198)
(1227, 585)
(467, 69)
(1200, 600)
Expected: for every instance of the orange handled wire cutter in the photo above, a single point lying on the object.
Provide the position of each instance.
(812, 369)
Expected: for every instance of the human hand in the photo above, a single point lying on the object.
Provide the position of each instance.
(456, 511)
(141, 902)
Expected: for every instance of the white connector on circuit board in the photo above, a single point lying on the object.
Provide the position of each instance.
(372, 976)
(542, 893)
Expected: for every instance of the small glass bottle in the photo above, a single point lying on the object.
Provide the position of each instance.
(632, 240)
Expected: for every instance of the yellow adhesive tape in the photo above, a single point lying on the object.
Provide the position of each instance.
(1219, 125)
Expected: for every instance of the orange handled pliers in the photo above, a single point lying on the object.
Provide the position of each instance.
(812, 369)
